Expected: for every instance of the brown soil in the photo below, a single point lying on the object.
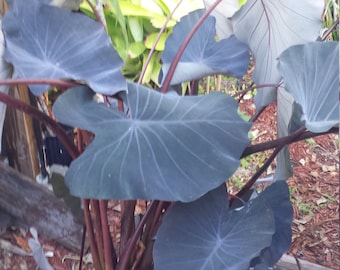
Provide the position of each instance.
(314, 192)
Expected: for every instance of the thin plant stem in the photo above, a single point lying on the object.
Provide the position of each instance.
(243, 93)
(150, 232)
(54, 82)
(253, 86)
(109, 253)
(185, 43)
(82, 137)
(253, 179)
(97, 14)
(127, 222)
(90, 234)
(330, 30)
(98, 234)
(124, 260)
(80, 149)
(252, 149)
(82, 249)
(148, 223)
(157, 215)
(257, 114)
(161, 31)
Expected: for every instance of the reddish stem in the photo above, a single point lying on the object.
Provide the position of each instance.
(185, 43)
(98, 234)
(287, 140)
(252, 149)
(55, 82)
(127, 222)
(109, 253)
(156, 41)
(253, 86)
(96, 13)
(90, 233)
(330, 30)
(125, 258)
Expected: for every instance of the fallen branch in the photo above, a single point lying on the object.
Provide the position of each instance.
(36, 206)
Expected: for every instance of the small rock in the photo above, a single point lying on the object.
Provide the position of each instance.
(326, 168)
(302, 162)
(321, 201)
(314, 174)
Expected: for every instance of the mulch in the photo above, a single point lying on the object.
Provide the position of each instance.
(314, 192)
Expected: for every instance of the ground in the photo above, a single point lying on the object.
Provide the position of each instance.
(314, 192)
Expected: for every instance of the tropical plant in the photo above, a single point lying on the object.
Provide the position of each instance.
(176, 152)
(134, 27)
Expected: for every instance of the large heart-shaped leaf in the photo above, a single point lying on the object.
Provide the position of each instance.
(168, 147)
(203, 55)
(222, 13)
(311, 75)
(50, 42)
(277, 198)
(269, 27)
(205, 234)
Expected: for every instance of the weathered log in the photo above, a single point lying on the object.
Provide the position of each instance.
(36, 206)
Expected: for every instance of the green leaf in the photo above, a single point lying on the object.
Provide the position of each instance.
(150, 40)
(242, 2)
(136, 49)
(115, 8)
(149, 68)
(157, 20)
(130, 9)
(86, 9)
(136, 28)
(167, 147)
(132, 68)
(156, 67)
(163, 6)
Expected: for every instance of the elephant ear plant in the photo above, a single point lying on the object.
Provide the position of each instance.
(177, 152)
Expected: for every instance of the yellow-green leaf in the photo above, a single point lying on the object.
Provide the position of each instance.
(136, 49)
(150, 40)
(136, 28)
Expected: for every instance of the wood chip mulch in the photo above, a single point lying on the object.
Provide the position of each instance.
(314, 192)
